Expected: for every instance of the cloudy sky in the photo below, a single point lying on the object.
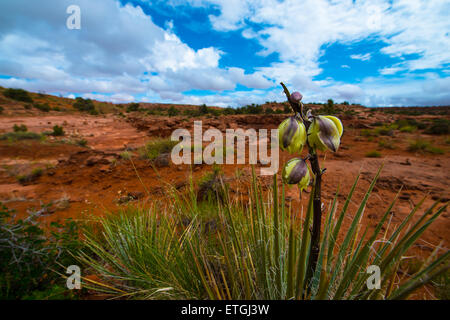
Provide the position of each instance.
(230, 52)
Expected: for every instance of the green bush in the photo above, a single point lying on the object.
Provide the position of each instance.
(408, 129)
(17, 94)
(125, 155)
(172, 111)
(14, 136)
(21, 128)
(228, 111)
(27, 178)
(251, 249)
(58, 131)
(85, 105)
(420, 145)
(154, 148)
(29, 257)
(133, 107)
(387, 144)
(439, 126)
(43, 107)
(82, 142)
(373, 154)
(203, 109)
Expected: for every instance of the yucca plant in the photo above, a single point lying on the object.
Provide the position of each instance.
(255, 249)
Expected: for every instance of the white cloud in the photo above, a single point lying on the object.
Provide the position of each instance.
(362, 57)
(299, 30)
(120, 53)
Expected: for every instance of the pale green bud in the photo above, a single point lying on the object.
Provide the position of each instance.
(325, 132)
(296, 171)
(292, 135)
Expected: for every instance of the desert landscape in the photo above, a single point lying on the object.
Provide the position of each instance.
(61, 161)
(237, 159)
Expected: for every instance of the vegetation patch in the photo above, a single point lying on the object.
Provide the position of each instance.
(423, 146)
(17, 94)
(31, 177)
(85, 105)
(154, 148)
(14, 136)
(29, 257)
(373, 154)
(43, 107)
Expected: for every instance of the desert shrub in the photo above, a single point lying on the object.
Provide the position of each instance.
(43, 107)
(408, 129)
(17, 94)
(387, 144)
(133, 107)
(286, 108)
(154, 148)
(81, 142)
(14, 136)
(29, 257)
(172, 111)
(203, 109)
(1, 109)
(373, 154)
(435, 150)
(251, 249)
(385, 130)
(85, 105)
(439, 126)
(409, 122)
(30, 177)
(228, 111)
(269, 110)
(330, 108)
(369, 133)
(58, 131)
(21, 128)
(377, 124)
(420, 145)
(125, 155)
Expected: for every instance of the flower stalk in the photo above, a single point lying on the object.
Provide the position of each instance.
(323, 132)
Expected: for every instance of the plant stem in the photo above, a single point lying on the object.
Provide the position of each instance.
(317, 215)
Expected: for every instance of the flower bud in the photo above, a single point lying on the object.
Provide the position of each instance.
(292, 135)
(325, 132)
(296, 97)
(296, 172)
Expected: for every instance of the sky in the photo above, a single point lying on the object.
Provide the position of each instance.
(230, 52)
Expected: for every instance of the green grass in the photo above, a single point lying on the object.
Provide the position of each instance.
(125, 155)
(423, 146)
(373, 154)
(154, 148)
(408, 129)
(27, 178)
(386, 144)
(252, 249)
(14, 136)
(439, 126)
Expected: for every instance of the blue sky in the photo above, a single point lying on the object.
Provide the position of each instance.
(230, 52)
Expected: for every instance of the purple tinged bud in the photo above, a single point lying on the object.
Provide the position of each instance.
(296, 97)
